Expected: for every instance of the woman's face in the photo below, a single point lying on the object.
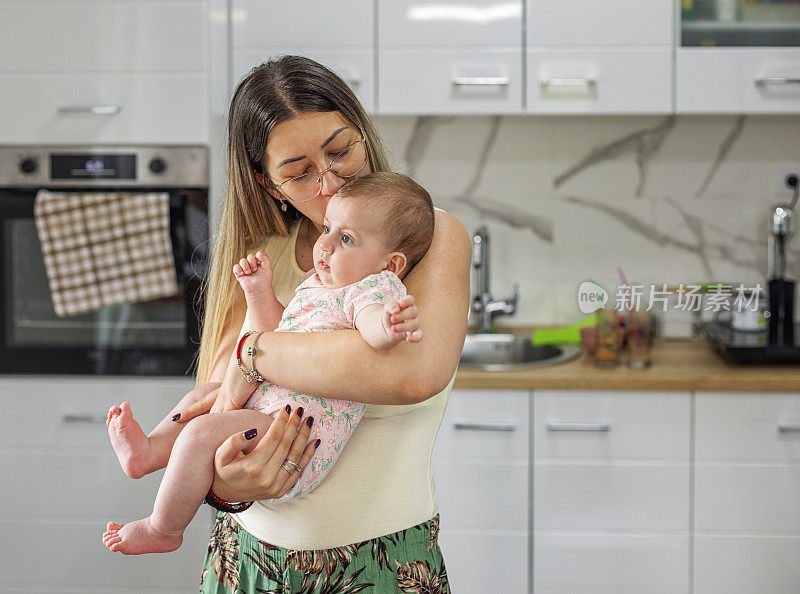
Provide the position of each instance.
(308, 143)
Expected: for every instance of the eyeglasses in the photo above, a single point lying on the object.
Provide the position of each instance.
(346, 164)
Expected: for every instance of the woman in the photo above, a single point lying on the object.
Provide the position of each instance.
(372, 523)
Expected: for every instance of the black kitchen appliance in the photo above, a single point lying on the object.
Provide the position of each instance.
(158, 337)
(779, 343)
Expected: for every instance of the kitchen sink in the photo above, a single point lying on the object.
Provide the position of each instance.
(505, 352)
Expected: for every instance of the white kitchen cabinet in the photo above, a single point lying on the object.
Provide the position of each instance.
(481, 464)
(611, 500)
(54, 443)
(103, 72)
(738, 80)
(747, 485)
(340, 36)
(606, 58)
(441, 57)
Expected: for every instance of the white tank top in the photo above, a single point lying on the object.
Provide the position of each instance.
(383, 479)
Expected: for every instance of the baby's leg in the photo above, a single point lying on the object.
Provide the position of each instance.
(138, 453)
(189, 475)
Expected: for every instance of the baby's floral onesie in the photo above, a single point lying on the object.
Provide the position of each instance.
(315, 308)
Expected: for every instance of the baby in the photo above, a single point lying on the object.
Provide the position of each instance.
(375, 230)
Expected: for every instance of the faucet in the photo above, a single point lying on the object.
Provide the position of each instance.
(482, 303)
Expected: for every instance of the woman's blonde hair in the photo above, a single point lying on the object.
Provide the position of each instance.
(273, 92)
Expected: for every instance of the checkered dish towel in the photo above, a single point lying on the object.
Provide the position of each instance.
(102, 249)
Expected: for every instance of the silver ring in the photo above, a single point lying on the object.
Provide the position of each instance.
(287, 461)
(287, 468)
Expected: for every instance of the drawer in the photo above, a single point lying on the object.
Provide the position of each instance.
(152, 109)
(581, 563)
(414, 23)
(484, 424)
(356, 67)
(37, 411)
(610, 497)
(726, 80)
(478, 562)
(317, 23)
(747, 426)
(483, 495)
(599, 81)
(747, 498)
(70, 556)
(744, 565)
(613, 22)
(101, 37)
(442, 82)
(611, 425)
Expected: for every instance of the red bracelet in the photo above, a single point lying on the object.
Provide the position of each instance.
(253, 377)
(214, 501)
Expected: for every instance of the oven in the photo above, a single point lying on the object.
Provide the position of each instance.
(159, 337)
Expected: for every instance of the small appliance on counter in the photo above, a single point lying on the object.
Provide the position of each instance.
(779, 342)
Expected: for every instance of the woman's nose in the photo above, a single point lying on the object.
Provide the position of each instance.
(330, 184)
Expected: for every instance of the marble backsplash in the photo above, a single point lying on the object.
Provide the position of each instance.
(669, 199)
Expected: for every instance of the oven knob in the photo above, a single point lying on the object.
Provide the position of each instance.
(157, 166)
(27, 165)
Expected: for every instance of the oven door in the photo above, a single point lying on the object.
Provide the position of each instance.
(158, 337)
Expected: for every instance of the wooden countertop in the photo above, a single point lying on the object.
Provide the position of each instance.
(676, 365)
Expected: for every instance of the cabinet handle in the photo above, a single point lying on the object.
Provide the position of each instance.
(783, 428)
(84, 418)
(777, 80)
(481, 81)
(567, 82)
(570, 426)
(487, 426)
(93, 109)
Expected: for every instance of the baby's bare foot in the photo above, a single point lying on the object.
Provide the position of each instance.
(129, 441)
(139, 537)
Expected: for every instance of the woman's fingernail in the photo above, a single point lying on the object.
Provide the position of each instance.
(250, 434)
(176, 417)
(316, 445)
(310, 421)
(288, 408)
(300, 412)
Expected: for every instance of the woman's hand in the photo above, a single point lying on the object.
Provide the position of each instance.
(231, 395)
(259, 474)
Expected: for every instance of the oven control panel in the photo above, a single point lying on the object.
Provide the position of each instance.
(118, 166)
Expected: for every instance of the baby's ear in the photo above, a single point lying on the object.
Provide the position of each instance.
(397, 263)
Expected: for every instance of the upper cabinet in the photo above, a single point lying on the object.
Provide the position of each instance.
(95, 71)
(450, 56)
(339, 35)
(613, 57)
(738, 56)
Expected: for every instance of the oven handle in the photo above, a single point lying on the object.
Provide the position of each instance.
(93, 109)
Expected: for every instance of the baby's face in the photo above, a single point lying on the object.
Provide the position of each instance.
(350, 247)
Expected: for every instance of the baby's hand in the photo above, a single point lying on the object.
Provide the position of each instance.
(254, 273)
(400, 320)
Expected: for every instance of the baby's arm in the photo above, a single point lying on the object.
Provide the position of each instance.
(254, 274)
(384, 325)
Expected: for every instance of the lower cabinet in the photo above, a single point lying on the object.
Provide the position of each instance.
(481, 465)
(611, 492)
(747, 493)
(62, 483)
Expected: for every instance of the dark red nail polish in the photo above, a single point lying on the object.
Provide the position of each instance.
(310, 421)
(316, 445)
(176, 417)
(250, 434)
(300, 412)
(288, 408)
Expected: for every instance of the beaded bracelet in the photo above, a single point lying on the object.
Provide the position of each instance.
(253, 377)
(214, 501)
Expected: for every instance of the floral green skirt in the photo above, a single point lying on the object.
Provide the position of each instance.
(406, 561)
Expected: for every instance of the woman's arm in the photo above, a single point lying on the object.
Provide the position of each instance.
(342, 365)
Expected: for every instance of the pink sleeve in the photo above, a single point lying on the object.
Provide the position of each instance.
(376, 288)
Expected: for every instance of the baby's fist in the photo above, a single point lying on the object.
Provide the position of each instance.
(254, 272)
(401, 320)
